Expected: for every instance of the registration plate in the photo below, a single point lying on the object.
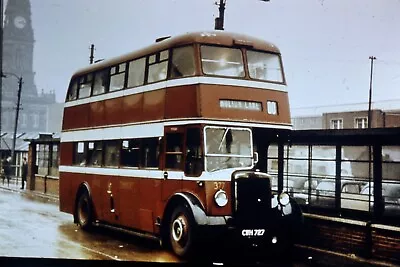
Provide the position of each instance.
(253, 232)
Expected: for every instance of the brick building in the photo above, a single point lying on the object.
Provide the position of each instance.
(348, 120)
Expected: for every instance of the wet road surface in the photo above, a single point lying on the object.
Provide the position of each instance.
(35, 228)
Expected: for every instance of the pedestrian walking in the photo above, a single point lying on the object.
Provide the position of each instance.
(24, 172)
(7, 170)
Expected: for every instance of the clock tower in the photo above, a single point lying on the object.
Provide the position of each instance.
(18, 46)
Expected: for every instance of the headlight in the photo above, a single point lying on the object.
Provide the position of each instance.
(220, 198)
(284, 199)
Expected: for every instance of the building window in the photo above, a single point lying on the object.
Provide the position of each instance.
(23, 120)
(337, 124)
(35, 118)
(361, 123)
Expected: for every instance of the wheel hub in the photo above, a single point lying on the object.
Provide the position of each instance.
(178, 229)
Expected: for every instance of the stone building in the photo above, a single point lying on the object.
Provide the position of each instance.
(18, 47)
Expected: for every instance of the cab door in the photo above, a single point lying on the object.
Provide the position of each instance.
(173, 160)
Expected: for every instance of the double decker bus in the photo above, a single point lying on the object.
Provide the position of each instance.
(171, 140)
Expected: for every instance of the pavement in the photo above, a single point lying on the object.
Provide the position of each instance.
(315, 256)
(15, 186)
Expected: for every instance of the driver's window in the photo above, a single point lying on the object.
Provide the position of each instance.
(174, 151)
(194, 153)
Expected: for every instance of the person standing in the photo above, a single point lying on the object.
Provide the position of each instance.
(24, 172)
(7, 169)
(3, 164)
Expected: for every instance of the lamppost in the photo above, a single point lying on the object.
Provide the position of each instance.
(372, 58)
(19, 78)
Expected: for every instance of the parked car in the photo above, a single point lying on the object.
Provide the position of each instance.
(301, 195)
(325, 193)
(390, 194)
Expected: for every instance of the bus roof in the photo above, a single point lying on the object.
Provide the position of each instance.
(206, 37)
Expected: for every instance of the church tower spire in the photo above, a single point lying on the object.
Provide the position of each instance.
(18, 43)
(18, 46)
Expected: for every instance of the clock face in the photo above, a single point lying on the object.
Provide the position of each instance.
(19, 22)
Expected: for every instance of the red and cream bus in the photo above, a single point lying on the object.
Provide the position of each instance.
(162, 141)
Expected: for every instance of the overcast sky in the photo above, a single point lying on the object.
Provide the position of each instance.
(325, 44)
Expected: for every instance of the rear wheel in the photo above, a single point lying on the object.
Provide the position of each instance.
(84, 211)
(182, 231)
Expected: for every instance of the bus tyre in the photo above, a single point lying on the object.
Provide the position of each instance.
(84, 211)
(182, 231)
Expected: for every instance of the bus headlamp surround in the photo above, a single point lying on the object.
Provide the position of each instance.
(283, 199)
(220, 197)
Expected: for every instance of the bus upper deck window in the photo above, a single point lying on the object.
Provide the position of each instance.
(222, 61)
(100, 82)
(136, 72)
(158, 64)
(73, 90)
(182, 62)
(85, 85)
(264, 66)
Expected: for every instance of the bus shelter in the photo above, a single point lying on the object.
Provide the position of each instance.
(43, 162)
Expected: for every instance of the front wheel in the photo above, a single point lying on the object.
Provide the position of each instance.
(84, 211)
(182, 229)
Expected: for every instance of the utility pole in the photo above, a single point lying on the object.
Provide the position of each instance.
(219, 22)
(1, 63)
(16, 120)
(372, 58)
(91, 54)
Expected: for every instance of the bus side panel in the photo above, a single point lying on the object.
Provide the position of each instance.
(132, 107)
(210, 96)
(66, 153)
(76, 117)
(97, 116)
(113, 111)
(108, 198)
(150, 195)
(153, 105)
(169, 188)
(66, 198)
(193, 188)
(98, 191)
(65, 190)
(187, 107)
(129, 201)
